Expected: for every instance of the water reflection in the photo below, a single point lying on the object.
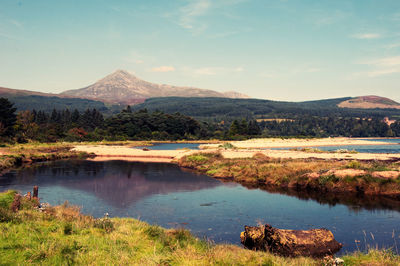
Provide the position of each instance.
(354, 201)
(163, 194)
(119, 183)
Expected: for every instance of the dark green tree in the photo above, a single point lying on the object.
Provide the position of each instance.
(7, 118)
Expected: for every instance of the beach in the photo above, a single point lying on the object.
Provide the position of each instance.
(244, 149)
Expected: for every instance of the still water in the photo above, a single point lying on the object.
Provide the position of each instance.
(392, 146)
(166, 195)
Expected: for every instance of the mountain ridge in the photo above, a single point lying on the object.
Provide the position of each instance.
(370, 102)
(125, 88)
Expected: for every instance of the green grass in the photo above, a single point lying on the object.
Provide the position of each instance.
(61, 235)
(6, 198)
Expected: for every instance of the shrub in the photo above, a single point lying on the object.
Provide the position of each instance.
(104, 223)
(6, 198)
(354, 165)
(227, 146)
(67, 229)
(197, 158)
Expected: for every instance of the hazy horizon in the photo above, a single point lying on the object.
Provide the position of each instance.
(279, 49)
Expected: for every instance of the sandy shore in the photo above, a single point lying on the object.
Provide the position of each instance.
(131, 154)
(293, 143)
(246, 149)
(304, 155)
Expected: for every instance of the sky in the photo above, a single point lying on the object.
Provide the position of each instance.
(292, 50)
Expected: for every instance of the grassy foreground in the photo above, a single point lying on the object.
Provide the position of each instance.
(370, 178)
(61, 235)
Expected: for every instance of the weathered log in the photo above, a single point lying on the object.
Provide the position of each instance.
(35, 192)
(291, 243)
(16, 204)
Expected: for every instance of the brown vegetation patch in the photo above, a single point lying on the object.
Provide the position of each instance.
(386, 174)
(301, 174)
(347, 173)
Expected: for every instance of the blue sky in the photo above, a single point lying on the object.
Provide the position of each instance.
(273, 49)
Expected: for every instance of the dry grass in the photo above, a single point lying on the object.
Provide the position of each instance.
(315, 174)
(19, 154)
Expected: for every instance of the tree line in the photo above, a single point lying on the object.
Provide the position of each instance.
(331, 126)
(91, 125)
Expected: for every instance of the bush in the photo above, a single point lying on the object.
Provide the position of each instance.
(104, 223)
(6, 198)
(227, 146)
(354, 165)
(67, 229)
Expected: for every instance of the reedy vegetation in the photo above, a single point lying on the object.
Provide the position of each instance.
(310, 174)
(62, 235)
(14, 155)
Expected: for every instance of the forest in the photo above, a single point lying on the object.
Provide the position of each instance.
(92, 125)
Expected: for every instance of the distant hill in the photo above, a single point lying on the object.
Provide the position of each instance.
(224, 108)
(124, 88)
(370, 102)
(29, 100)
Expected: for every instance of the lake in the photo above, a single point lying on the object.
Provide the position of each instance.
(392, 147)
(166, 195)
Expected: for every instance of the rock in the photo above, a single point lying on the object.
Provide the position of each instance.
(291, 243)
(339, 261)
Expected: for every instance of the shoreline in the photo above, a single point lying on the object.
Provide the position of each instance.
(244, 149)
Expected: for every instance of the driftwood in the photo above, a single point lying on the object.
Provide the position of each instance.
(290, 243)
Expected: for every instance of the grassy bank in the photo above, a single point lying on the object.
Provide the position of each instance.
(18, 154)
(62, 235)
(369, 178)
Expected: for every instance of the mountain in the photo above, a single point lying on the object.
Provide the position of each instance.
(370, 102)
(4, 92)
(125, 88)
(29, 100)
(223, 109)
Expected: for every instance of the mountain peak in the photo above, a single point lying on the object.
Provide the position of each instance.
(125, 88)
(121, 72)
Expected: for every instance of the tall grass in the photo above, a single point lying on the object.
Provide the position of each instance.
(315, 174)
(61, 235)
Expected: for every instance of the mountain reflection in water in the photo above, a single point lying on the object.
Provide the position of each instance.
(119, 183)
(169, 196)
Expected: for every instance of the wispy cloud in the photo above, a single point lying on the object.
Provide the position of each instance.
(385, 61)
(366, 36)
(193, 16)
(190, 13)
(211, 71)
(163, 69)
(392, 45)
(381, 66)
